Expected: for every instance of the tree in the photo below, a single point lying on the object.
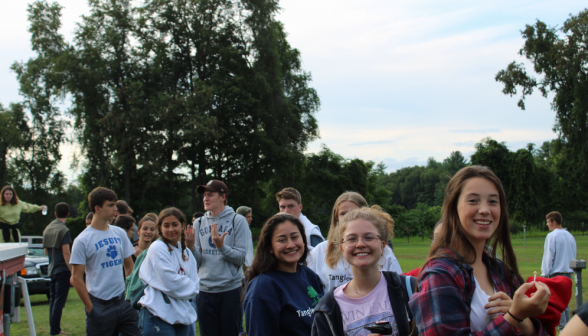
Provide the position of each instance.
(559, 56)
(13, 124)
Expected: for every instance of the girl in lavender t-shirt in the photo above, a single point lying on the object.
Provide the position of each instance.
(371, 295)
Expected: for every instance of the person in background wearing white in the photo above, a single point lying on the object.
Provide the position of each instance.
(327, 253)
(169, 270)
(290, 201)
(560, 248)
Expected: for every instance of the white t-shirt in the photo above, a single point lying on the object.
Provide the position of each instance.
(479, 318)
(333, 277)
(103, 253)
(361, 312)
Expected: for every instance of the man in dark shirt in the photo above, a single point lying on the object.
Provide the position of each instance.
(56, 240)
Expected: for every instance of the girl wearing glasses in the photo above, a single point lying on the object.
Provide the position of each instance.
(326, 258)
(372, 295)
(465, 290)
(281, 292)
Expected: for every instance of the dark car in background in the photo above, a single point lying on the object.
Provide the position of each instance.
(36, 266)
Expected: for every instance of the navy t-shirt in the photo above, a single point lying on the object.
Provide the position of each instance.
(281, 303)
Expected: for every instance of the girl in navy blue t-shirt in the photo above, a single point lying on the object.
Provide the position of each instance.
(281, 291)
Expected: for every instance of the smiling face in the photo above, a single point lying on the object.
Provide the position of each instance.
(171, 229)
(8, 196)
(287, 246)
(291, 207)
(478, 209)
(147, 231)
(362, 254)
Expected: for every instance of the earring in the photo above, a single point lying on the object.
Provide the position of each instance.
(381, 266)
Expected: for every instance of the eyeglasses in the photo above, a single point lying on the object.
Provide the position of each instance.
(367, 239)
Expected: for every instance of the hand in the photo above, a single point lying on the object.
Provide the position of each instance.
(190, 237)
(499, 303)
(89, 310)
(219, 242)
(71, 280)
(524, 306)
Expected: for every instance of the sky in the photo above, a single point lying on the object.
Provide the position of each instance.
(399, 81)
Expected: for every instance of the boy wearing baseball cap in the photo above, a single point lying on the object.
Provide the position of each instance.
(218, 240)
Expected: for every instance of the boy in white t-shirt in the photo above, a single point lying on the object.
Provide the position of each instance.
(104, 253)
(290, 201)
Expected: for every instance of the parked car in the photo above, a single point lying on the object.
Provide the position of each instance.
(36, 266)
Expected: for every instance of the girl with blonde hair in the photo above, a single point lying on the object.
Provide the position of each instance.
(326, 258)
(372, 295)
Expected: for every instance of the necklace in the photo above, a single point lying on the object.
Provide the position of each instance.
(355, 289)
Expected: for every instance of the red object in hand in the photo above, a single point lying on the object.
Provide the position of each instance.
(415, 272)
(561, 293)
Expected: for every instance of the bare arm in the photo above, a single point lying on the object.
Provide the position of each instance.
(46, 252)
(66, 255)
(80, 286)
(129, 264)
(575, 327)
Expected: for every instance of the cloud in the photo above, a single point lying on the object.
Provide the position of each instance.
(479, 131)
(465, 144)
(371, 143)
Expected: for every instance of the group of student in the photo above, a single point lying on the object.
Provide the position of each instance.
(298, 283)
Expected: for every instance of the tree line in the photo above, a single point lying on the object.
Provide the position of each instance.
(170, 94)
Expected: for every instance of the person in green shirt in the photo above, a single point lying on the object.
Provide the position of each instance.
(10, 210)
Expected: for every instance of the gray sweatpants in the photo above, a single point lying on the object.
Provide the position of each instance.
(108, 315)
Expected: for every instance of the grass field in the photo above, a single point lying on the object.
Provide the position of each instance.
(410, 255)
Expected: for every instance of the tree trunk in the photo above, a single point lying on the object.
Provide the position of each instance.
(201, 170)
(193, 185)
(127, 172)
(170, 177)
(3, 154)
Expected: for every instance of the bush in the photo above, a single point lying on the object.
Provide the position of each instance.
(76, 226)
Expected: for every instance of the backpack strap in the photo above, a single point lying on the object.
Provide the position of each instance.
(408, 286)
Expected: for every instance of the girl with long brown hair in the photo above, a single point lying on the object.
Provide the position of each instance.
(326, 258)
(10, 209)
(169, 271)
(281, 292)
(463, 289)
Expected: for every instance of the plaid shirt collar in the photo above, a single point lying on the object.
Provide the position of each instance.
(497, 275)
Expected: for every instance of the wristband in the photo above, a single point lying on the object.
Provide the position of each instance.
(516, 319)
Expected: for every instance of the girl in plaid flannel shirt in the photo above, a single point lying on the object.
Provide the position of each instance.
(459, 274)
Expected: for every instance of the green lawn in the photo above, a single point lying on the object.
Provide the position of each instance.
(410, 255)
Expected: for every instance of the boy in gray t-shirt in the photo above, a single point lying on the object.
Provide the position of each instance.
(104, 253)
